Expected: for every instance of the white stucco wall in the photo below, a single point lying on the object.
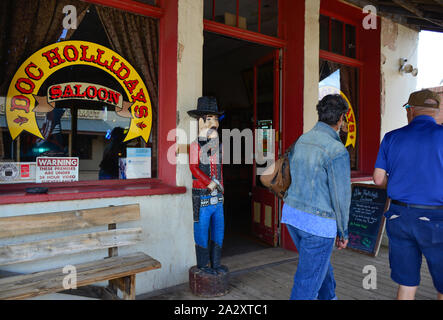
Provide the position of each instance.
(189, 78)
(165, 223)
(398, 42)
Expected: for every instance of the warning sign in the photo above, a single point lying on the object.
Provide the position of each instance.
(56, 169)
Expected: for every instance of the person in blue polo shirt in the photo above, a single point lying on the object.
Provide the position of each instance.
(410, 163)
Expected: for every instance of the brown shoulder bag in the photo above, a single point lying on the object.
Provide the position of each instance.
(277, 177)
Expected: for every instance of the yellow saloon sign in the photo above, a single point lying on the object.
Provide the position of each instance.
(22, 100)
(350, 116)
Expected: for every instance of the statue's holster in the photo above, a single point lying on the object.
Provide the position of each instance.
(203, 198)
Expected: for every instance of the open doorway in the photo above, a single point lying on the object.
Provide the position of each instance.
(228, 75)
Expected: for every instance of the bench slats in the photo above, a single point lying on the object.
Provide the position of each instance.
(68, 220)
(40, 283)
(17, 253)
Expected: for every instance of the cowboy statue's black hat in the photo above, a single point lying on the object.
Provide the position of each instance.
(205, 106)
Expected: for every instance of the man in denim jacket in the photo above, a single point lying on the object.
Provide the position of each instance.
(317, 203)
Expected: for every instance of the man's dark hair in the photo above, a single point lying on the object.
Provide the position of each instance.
(330, 109)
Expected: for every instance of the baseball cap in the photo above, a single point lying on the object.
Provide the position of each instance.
(424, 98)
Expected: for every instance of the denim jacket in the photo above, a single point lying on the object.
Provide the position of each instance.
(321, 176)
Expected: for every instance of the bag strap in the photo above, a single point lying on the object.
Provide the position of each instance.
(291, 147)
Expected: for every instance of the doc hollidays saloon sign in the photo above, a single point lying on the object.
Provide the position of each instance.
(23, 100)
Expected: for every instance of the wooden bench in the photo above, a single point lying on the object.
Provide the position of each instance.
(120, 271)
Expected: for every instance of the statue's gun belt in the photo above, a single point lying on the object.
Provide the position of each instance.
(210, 201)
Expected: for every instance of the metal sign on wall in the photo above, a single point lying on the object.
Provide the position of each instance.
(23, 102)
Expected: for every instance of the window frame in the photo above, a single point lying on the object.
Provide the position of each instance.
(239, 33)
(368, 57)
(345, 22)
(166, 12)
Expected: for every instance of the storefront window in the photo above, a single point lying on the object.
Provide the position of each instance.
(254, 15)
(336, 78)
(78, 94)
(337, 37)
(324, 33)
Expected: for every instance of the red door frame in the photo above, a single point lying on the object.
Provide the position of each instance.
(291, 37)
(260, 195)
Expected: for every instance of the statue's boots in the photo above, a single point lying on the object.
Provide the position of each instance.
(216, 251)
(203, 260)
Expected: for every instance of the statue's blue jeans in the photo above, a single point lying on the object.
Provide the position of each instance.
(314, 278)
(211, 219)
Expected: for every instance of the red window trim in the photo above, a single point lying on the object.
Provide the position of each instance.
(345, 22)
(242, 34)
(336, 16)
(131, 6)
(237, 14)
(326, 55)
(13, 194)
(167, 14)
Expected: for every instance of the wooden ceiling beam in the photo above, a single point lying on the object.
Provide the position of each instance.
(427, 15)
(413, 8)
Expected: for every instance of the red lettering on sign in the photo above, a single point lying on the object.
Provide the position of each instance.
(113, 62)
(53, 58)
(26, 81)
(55, 92)
(141, 111)
(74, 51)
(16, 106)
(83, 57)
(140, 96)
(31, 75)
(45, 162)
(99, 56)
(122, 68)
(351, 128)
(102, 94)
(114, 97)
(131, 85)
(68, 93)
(351, 118)
(91, 92)
(77, 91)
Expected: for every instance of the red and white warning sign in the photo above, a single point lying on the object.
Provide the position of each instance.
(50, 169)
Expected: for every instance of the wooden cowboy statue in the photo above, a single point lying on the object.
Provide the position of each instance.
(207, 188)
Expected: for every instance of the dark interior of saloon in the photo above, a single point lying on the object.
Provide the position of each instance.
(228, 76)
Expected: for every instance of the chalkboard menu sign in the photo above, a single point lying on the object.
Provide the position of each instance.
(366, 219)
